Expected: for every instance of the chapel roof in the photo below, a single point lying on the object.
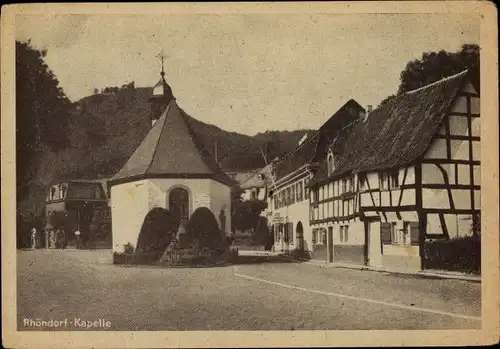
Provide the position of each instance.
(171, 149)
(397, 132)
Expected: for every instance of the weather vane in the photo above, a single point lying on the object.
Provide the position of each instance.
(161, 55)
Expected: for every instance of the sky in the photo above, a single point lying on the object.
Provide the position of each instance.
(246, 73)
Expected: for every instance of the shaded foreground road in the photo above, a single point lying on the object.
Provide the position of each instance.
(261, 293)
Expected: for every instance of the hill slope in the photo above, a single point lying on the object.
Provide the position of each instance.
(109, 127)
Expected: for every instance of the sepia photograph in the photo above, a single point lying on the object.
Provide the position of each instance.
(206, 169)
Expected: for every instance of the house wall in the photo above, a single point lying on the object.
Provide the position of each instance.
(451, 170)
(292, 213)
(337, 208)
(128, 209)
(220, 199)
(351, 251)
(373, 197)
(132, 201)
(260, 194)
(389, 254)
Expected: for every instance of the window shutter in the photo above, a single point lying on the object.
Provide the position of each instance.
(414, 233)
(385, 233)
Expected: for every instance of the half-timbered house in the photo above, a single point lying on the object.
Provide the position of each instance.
(290, 194)
(406, 173)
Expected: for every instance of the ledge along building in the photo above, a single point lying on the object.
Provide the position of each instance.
(169, 169)
(289, 209)
(406, 173)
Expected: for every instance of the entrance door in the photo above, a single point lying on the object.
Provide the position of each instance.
(300, 236)
(178, 205)
(374, 242)
(329, 241)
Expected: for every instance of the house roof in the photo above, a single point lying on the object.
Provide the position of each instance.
(397, 132)
(314, 148)
(240, 176)
(171, 149)
(255, 182)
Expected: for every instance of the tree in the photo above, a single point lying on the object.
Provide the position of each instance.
(435, 66)
(246, 214)
(100, 226)
(41, 112)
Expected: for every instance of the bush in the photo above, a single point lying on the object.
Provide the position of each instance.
(100, 226)
(203, 227)
(460, 254)
(156, 232)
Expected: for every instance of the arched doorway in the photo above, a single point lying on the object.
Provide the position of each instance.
(300, 236)
(178, 204)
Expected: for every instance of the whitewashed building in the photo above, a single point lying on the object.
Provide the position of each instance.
(406, 173)
(290, 193)
(256, 187)
(169, 169)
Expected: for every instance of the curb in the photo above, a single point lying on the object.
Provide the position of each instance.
(423, 273)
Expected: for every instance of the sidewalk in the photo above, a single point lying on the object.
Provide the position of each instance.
(444, 274)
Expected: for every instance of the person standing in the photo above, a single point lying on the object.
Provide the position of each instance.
(78, 238)
(33, 238)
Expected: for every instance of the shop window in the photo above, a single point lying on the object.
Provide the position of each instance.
(314, 236)
(406, 238)
(385, 233)
(344, 233)
(323, 236)
(395, 235)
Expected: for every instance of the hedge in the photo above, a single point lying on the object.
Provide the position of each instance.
(203, 227)
(460, 254)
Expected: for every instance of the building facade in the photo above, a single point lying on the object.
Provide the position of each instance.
(79, 198)
(408, 172)
(290, 199)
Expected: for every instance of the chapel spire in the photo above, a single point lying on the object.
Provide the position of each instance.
(162, 93)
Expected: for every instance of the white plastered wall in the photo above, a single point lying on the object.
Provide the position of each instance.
(457, 225)
(132, 201)
(128, 209)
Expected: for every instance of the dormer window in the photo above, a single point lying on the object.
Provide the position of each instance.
(330, 163)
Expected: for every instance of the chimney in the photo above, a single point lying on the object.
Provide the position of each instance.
(369, 109)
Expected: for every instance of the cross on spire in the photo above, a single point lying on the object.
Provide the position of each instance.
(161, 55)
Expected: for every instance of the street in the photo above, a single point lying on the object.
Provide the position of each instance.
(260, 293)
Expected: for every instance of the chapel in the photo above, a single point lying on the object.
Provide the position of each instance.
(169, 169)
